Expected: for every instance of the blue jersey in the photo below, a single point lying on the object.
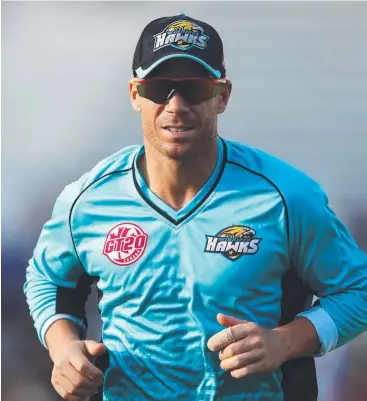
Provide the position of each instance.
(256, 242)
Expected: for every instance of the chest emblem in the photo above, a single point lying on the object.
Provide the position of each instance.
(125, 244)
(233, 242)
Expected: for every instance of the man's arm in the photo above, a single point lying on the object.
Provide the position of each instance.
(327, 258)
(56, 289)
(56, 284)
(299, 339)
(60, 334)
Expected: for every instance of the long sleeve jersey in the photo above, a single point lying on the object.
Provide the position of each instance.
(257, 242)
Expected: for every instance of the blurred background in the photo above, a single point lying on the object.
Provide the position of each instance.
(299, 71)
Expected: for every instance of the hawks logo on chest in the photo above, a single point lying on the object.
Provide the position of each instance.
(233, 242)
(125, 244)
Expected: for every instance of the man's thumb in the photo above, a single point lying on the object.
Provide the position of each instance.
(228, 321)
(93, 348)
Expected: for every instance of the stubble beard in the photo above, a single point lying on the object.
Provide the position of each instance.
(198, 149)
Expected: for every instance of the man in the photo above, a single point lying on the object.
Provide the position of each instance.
(206, 253)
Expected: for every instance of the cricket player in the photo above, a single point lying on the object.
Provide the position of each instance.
(206, 253)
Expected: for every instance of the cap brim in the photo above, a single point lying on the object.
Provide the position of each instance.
(142, 73)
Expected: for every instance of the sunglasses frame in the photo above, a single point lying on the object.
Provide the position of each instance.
(214, 81)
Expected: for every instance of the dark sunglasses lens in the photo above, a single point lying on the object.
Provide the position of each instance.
(197, 91)
(193, 91)
(155, 90)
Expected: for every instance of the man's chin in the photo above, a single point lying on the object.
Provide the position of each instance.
(178, 151)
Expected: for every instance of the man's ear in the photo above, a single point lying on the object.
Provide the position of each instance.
(134, 97)
(223, 96)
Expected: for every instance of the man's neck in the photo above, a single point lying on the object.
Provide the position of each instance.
(176, 182)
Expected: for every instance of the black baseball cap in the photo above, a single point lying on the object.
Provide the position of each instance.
(178, 36)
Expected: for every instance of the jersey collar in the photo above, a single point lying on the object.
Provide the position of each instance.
(174, 216)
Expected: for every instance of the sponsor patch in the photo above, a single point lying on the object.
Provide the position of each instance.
(125, 244)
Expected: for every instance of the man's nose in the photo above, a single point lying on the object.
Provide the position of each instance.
(175, 102)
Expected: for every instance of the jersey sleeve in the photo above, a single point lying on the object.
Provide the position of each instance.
(56, 285)
(335, 268)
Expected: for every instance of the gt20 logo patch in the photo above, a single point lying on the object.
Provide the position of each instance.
(233, 242)
(125, 244)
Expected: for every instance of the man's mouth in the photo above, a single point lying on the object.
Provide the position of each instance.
(182, 128)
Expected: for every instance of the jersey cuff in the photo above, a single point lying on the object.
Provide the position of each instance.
(325, 327)
(53, 319)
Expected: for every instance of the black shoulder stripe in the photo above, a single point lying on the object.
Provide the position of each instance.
(277, 189)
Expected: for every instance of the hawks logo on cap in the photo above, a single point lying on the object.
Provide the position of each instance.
(125, 244)
(233, 242)
(181, 34)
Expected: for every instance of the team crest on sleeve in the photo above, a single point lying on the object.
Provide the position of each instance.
(125, 244)
(233, 242)
(181, 35)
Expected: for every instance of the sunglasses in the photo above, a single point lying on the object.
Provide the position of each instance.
(193, 90)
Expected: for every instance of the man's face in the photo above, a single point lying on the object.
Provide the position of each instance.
(177, 128)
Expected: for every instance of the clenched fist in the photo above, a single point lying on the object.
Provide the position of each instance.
(74, 375)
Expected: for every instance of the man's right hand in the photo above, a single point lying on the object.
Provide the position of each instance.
(74, 375)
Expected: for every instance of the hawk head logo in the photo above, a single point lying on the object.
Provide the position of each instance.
(182, 35)
(233, 242)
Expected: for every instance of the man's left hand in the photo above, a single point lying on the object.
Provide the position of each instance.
(246, 348)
